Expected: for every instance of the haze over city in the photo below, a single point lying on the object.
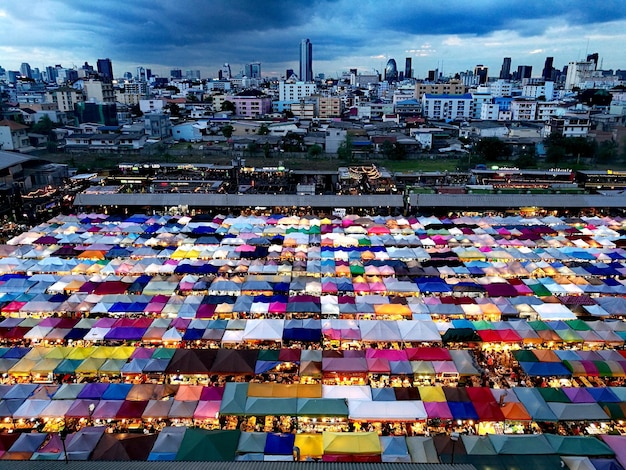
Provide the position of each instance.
(186, 34)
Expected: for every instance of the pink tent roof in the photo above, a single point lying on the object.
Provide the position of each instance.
(435, 409)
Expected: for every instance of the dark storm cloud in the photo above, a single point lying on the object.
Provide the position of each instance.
(190, 33)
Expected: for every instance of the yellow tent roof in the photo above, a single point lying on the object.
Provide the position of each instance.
(122, 352)
(23, 366)
(36, 353)
(310, 445)
(90, 365)
(80, 353)
(351, 443)
(432, 394)
(102, 352)
(45, 366)
(275, 390)
(58, 352)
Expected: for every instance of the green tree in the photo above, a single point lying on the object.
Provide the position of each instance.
(173, 89)
(227, 131)
(387, 149)
(493, 149)
(266, 150)
(228, 106)
(135, 110)
(315, 151)
(263, 130)
(44, 126)
(251, 148)
(173, 108)
(344, 152)
(607, 151)
(192, 98)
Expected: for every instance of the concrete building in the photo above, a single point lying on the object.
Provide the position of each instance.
(545, 89)
(480, 97)
(447, 107)
(569, 125)
(157, 125)
(13, 135)
(501, 88)
(251, 104)
(577, 73)
(334, 138)
(152, 106)
(293, 91)
(524, 109)
(454, 87)
(65, 98)
(98, 91)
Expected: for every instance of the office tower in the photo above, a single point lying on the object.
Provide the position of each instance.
(25, 70)
(51, 74)
(288, 74)
(105, 68)
(548, 69)
(391, 71)
(306, 61)
(482, 74)
(226, 74)
(148, 74)
(141, 74)
(176, 73)
(252, 70)
(505, 71)
(408, 70)
(593, 58)
(524, 72)
(433, 75)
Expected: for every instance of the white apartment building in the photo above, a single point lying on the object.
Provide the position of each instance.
(480, 98)
(577, 73)
(64, 98)
(569, 125)
(447, 107)
(489, 112)
(294, 91)
(545, 89)
(524, 110)
(501, 88)
(547, 109)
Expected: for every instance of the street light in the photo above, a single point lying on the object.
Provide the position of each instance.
(454, 437)
(63, 432)
(92, 407)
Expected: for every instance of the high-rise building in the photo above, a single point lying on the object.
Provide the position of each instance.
(593, 58)
(51, 74)
(505, 71)
(482, 74)
(524, 72)
(226, 74)
(105, 69)
(252, 70)
(306, 60)
(548, 69)
(25, 70)
(288, 74)
(391, 71)
(176, 73)
(408, 70)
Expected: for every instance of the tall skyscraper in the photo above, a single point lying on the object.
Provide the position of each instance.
(252, 70)
(505, 71)
(25, 70)
(408, 70)
(176, 73)
(226, 73)
(481, 72)
(105, 68)
(306, 61)
(548, 69)
(391, 71)
(524, 72)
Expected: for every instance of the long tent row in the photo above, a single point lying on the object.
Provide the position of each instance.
(369, 329)
(63, 330)
(190, 444)
(338, 407)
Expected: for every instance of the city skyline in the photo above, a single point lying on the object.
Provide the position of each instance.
(160, 35)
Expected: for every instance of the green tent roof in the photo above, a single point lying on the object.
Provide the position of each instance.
(203, 445)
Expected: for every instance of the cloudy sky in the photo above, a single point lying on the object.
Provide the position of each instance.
(452, 35)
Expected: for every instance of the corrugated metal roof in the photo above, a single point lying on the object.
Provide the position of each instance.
(516, 200)
(237, 200)
(127, 465)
